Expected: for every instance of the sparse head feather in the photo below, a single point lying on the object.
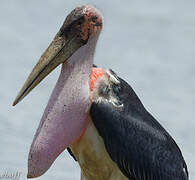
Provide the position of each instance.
(85, 20)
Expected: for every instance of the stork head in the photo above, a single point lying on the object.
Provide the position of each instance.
(58, 127)
(82, 24)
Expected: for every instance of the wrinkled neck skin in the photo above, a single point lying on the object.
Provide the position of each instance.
(75, 73)
(65, 117)
(70, 97)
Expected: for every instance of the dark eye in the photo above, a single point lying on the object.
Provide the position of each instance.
(93, 18)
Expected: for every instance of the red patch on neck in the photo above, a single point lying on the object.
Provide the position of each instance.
(95, 74)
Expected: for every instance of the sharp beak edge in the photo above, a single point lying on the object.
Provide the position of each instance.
(58, 52)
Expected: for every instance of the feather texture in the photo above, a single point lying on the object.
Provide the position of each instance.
(135, 141)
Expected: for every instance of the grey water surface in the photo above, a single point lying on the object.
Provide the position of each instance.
(149, 43)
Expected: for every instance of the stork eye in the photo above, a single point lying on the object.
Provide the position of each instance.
(93, 19)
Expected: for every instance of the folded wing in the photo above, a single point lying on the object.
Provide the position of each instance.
(135, 141)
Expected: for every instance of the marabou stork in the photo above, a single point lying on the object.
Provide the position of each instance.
(96, 114)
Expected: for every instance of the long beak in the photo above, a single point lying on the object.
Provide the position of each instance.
(58, 52)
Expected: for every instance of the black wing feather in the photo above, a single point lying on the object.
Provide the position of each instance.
(135, 141)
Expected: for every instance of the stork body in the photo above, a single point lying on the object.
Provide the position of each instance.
(96, 114)
(93, 159)
(123, 140)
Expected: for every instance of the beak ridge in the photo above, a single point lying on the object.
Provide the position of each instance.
(57, 52)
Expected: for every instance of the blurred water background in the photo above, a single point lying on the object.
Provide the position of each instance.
(151, 44)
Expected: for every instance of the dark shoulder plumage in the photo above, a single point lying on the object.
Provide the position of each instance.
(135, 141)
